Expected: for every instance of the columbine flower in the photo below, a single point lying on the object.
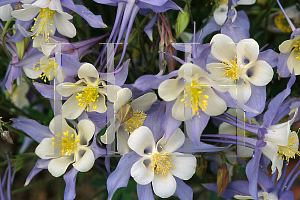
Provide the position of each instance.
(193, 92)
(239, 66)
(292, 47)
(130, 115)
(281, 144)
(87, 94)
(220, 13)
(48, 16)
(159, 163)
(71, 145)
(47, 67)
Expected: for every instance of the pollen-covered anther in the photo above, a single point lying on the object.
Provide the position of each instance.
(198, 100)
(66, 143)
(232, 69)
(135, 121)
(48, 69)
(88, 97)
(161, 163)
(290, 150)
(42, 23)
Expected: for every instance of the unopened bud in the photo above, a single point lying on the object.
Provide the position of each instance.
(222, 179)
(201, 166)
(125, 113)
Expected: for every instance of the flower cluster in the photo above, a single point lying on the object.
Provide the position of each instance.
(157, 120)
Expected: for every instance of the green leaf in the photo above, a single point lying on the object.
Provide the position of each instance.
(182, 22)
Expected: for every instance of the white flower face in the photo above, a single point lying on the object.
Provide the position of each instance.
(293, 47)
(193, 92)
(87, 94)
(71, 145)
(239, 66)
(159, 162)
(48, 16)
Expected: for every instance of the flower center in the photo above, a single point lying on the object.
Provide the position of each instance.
(198, 100)
(42, 23)
(282, 23)
(48, 69)
(66, 143)
(289, 151)
(88, 97)
(161, 163)
(232, 69)
(135, 121)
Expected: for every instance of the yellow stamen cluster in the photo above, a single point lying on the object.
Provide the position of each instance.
(135, 121)
(289, 151)
(282, 23)
(232, 69)
(42, 23)
(47, 68)
(88, 97)
(297, 48)
(66, 143)
(161, 163)
(198, 100)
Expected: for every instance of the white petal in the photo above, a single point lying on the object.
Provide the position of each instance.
(140, 173)
(170, 89)
(243, 151)
(242, 91)
(246, 2)
(164, 187)
(5, 12)
(122, 138)
(109, 135)
(45, 150)
(141, 141)
(41, 3)
(26, 14)
(184, 165)
(248, 48)
(123, 96)
(293, 62)
(59, 125)
(216, 69)
(100, 103)
(58, 166)
(220, 14)
(63, 25)
(223, 48)
(111, 92)
(270, 150)
(70, 109)
(67, 89)
(188, 70)
(46, 47)
(88, 71)
(86, 130)
(279, 134)
(215, 104)
(180, 111)
(287, 46)
(32, 73)
(84, 159)
(277, 163)
(175, 141)
(227, 129)
(260, 73)
(144, 102)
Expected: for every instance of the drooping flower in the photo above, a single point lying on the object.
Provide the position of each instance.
(239, 66)
(193, 92)
(220, 14)
(159, 163)
(87, 94)
(129, 115)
